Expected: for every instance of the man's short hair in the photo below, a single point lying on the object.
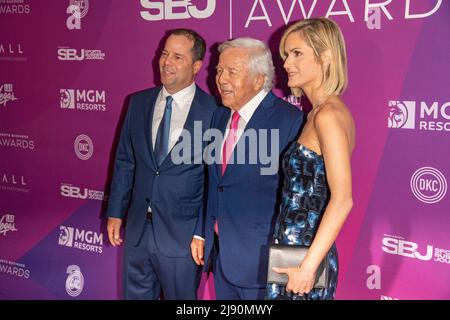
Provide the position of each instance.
(199, 47)
(260, 58)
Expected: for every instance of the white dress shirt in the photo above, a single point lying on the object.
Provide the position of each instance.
(246, 113)
(181, 105)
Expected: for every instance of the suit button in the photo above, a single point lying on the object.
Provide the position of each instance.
(220, 189)
(147, 200)
(157, 173)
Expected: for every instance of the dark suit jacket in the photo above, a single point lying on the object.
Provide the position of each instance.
(173, 191)
(246, 202)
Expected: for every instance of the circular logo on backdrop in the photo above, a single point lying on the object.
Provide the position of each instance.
(428, 185)
(83, 7)
(74, 281)
(398, 114)
(84, 148)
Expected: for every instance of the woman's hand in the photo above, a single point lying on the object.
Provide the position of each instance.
(300, 281)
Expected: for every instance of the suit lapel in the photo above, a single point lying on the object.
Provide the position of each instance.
(149, 109)
(257, 121)
(221, 125)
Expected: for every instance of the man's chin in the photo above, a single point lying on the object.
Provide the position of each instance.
(166, 84)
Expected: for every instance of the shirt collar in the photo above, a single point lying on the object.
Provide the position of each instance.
(246, 112)
(181, 96)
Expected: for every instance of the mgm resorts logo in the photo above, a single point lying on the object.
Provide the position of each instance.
(80, 239)
(422, 116)
(87, 100)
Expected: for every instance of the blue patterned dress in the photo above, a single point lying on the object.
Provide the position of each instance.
(305, 196)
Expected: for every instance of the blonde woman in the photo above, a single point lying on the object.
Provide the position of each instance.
(317, 191)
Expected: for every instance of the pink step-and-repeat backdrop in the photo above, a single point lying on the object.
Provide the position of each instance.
(68, 66)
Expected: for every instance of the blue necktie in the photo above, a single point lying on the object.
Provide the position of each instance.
(162, 137)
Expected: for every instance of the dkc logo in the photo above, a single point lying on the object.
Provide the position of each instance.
(429, 185)
(176, 10)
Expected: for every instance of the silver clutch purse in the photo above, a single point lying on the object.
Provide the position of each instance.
(288, 256)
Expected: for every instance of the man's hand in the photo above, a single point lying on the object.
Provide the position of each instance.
(197, 250)
(114, 231)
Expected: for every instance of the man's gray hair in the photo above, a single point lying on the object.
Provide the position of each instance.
(260, 57)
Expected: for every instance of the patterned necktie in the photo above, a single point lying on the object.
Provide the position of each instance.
(162, 137)
(231, 140)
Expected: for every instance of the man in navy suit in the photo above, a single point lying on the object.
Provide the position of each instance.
(163, 198)
(244, 186)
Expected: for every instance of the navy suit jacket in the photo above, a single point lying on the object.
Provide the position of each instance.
(243, 201)
(173, 191)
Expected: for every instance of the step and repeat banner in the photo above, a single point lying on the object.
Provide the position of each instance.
(67, 68)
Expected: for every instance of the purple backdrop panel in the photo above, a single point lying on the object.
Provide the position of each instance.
(68, 67)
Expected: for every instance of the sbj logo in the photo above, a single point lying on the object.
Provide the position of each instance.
(77, 10)
(84, 148)
(165, 10)
(71, 191)
(72, 54)
(428, 185)
(74, 281)
(6, 94)
(402, 114)
(405, 248)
